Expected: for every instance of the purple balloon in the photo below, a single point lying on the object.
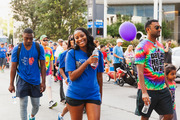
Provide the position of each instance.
(127, 31)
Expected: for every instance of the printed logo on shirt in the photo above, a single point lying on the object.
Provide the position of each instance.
(157, 62)
(24, 61)
(80, 62)
(31, 61)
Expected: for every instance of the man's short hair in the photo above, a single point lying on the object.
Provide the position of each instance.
(28, 30)
(149, 22)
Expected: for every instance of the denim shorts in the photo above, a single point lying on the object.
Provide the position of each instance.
(75, 102)
(24, 89)
(160, 102)
(2, 61)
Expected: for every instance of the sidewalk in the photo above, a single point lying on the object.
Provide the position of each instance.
(118, 102)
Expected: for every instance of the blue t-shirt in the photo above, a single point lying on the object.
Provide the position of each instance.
(85, 87)
(119, 52)
(3, 52)
(28, 63)
(62, 58)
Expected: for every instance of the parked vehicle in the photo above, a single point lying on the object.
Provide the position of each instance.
(176, 59)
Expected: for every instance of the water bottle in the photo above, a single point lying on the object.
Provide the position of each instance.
(95, 52)
(14, 98)
(146, 107)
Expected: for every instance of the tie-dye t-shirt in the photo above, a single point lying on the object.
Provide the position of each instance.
(49, 57)
(172, 87)
(152, 56)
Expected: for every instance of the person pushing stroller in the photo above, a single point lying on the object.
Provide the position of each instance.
(117, 59)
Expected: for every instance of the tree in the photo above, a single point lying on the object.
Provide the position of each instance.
(25, 12)
(55, 18)
(113, 29)
(166, 30)
(140, 27)
(61, 17)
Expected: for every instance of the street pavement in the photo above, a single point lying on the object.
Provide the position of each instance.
(118, 103)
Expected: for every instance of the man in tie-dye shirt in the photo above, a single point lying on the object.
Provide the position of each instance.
(49, 69)
(149, 58)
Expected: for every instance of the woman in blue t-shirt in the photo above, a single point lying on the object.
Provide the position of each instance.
(85, 84)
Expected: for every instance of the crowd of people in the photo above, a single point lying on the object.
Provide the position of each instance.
(69, 62)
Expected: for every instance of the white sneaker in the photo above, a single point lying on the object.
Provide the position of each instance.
(52, 104)
(60, 117)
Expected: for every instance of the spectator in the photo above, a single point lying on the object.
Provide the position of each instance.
(51, 44)
(49, 69)
(64, 74)
(59, 76)
(3, 55)
(58, 51)
(149, 59)
(171, 76)
(168, 53)
(28, 75)
(117, 59)
(97, 44)
(85, 84)
(102, 49)
(129, 54)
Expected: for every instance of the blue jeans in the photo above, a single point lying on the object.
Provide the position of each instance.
(23, 106)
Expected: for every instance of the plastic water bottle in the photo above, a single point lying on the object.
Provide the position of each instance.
(146, 107)
(95, 52)
(14, 98)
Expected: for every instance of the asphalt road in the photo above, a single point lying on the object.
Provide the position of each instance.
(118, 103)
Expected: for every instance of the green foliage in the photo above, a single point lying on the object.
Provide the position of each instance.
(113, 29)
(140, 27)
(166, 31)
(104, 41)
(55, 18)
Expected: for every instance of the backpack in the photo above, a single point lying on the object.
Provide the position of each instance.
(19, 50)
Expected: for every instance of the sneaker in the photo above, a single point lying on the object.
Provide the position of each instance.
(52, 104)
(2, 70)
(118, 81)
(60, 117)
(63, 101)
(115, 83)
(31, 118)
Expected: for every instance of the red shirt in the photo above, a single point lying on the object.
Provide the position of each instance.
(104, 55)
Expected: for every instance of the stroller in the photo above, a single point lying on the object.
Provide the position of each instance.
(128, 77)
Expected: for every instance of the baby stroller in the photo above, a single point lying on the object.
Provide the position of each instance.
(128, 77)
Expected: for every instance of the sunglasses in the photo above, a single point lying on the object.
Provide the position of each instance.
(157, 27)
(45, 40)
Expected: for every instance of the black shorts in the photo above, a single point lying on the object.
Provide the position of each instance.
(160, 102)
(116, 65)
(24, 89)
(75, 102)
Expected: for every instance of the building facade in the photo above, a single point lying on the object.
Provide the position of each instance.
(142, 10)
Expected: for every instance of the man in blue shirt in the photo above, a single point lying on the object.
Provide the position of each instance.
(28, 74)
(117, 58)
(3, 54)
